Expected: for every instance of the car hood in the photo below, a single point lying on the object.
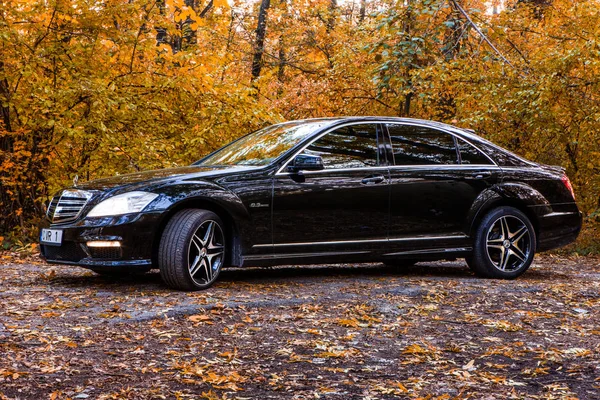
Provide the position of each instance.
(156, 176)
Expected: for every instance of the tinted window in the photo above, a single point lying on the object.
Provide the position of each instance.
(470, 155)
(416, 145)
(352, 146)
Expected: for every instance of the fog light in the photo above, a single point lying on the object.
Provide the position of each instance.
(104, 243)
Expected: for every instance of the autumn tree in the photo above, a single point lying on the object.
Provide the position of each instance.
(94, 90)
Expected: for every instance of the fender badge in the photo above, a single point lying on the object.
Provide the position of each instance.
(258, 205)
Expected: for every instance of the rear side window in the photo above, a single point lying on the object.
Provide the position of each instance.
(418, 145)
(353, 146)
(470, 155)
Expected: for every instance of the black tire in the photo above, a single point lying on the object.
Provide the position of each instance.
(505, 244)
(469, 261)
(190, 257)
(119, 272)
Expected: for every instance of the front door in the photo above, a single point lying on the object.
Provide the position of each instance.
(340, 210)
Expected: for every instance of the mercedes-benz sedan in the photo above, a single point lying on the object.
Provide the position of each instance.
(361, 189)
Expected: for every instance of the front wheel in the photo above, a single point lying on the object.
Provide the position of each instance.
(192, 250)
(505, 244)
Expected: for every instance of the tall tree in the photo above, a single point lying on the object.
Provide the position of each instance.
(5, 98)
(259, 43)
(283, 4)
(332, 15)
(362, 11)
(407, 32)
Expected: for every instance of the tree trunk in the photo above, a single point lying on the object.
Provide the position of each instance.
(230, 37)
(281, 67)
(408, 21)
(206, 9)
(259, 44)
(406, 108)
(282, 55)
(363, 11)
(5, 98)
(331, 18)
(188, 35)
(453, 36)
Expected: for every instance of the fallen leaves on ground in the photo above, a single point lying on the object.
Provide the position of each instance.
(432, 331)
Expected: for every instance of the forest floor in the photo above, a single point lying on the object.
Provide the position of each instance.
(334, 332)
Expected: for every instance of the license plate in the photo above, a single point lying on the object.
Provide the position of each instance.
(51, 237)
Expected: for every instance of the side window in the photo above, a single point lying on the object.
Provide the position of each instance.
(353, 146)
(470, 155)
(417, 145)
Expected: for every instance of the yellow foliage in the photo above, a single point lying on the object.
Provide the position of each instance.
(221, 3)
(168, 84)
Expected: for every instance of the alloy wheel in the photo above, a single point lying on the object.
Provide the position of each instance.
(508, 243)
(205, 253)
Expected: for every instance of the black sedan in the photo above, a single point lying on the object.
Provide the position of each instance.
(361, 189)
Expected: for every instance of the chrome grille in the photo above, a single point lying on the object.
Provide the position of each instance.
(67, 205)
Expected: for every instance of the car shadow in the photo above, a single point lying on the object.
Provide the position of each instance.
(280, 274)
(373, 270)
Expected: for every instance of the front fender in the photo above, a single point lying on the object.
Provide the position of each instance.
(181, 193)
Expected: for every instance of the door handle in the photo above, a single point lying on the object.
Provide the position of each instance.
(481, 175)
(372, 180)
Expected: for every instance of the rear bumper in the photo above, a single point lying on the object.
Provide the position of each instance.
(559, 228)
(136, 234)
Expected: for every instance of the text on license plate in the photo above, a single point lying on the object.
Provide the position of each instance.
(51, 236)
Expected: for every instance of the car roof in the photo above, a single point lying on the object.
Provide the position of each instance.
(337, 120)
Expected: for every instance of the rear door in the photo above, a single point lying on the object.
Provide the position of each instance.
(432, 187)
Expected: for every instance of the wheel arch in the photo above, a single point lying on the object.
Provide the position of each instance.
(522, 197)
(228, 216)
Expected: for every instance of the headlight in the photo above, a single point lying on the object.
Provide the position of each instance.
(125, 203)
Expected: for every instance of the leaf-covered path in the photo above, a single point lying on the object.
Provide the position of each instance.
(335, 332)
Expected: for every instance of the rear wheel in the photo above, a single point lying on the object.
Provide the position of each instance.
(192, 250)
(504, 244)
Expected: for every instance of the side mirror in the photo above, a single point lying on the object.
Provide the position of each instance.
(306, 162)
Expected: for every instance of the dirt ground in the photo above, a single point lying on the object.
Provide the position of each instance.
(333, 332)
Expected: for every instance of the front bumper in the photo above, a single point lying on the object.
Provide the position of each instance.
(136, 234)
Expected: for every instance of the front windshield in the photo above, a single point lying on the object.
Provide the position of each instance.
(263, 146)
